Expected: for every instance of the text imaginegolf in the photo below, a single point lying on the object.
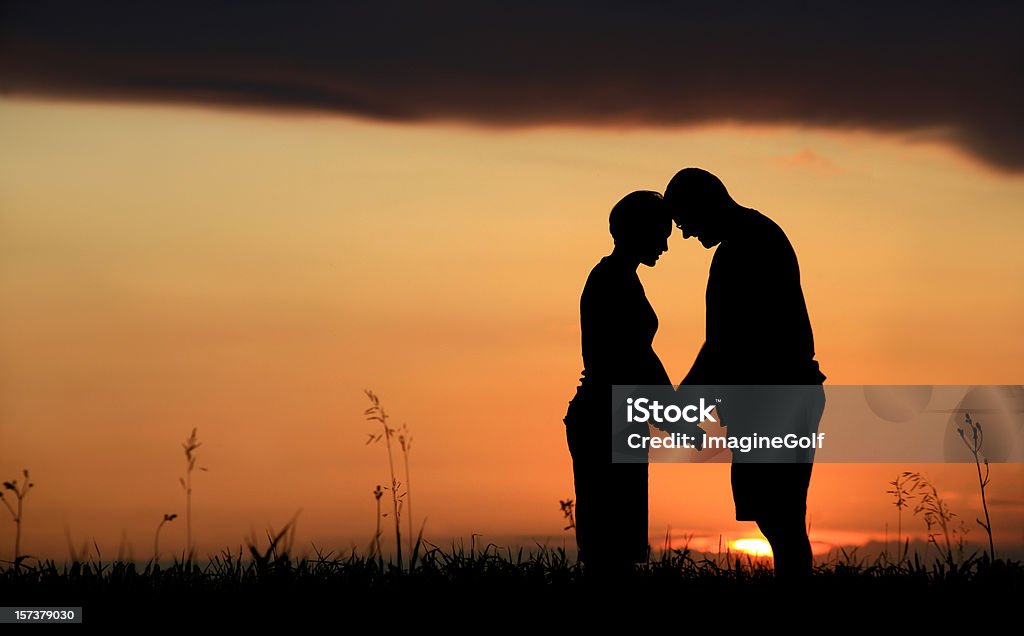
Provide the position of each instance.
(743, 444)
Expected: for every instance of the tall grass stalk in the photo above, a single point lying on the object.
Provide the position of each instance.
(191, 444)
(936, 515)
(375, 550)
(902, 496)
(973, 443)
(376, 413)
(156, 538)
(405, 442)
(19, 494)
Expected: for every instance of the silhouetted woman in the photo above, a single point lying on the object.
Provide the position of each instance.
(618, 326)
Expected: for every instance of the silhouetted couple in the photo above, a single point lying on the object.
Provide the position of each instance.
(757, 333)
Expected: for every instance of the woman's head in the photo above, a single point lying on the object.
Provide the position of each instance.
(640, 224)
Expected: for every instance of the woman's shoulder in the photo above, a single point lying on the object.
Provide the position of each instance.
(605, 286)
(607, 273)
(608, 287)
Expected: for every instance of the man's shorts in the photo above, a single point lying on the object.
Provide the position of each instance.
(766, 491)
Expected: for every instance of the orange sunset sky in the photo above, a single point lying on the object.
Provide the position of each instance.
(249, 273)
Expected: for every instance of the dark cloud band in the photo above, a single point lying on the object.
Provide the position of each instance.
(956, 72)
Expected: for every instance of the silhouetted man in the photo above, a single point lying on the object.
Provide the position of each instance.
(757, 333)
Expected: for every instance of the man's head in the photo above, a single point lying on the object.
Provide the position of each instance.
(700, 205)
(640, 224)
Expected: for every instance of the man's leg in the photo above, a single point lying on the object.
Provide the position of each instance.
(784, 523)
(791, 547)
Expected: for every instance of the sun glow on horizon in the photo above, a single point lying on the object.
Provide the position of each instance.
(753, 547)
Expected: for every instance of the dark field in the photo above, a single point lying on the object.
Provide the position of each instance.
(493, 586)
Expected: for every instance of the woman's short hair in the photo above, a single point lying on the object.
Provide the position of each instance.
(637, 214)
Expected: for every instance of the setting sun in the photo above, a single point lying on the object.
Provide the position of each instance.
(753, 547)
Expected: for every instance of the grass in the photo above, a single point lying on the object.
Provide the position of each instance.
(156, 537)
(191, 444)
(401, 496)
(974, 442)
(376, 413)
(18, 510)
(458, 582)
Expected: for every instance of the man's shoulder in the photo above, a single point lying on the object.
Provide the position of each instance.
(759, 245)
(763, 236)
(761, 227)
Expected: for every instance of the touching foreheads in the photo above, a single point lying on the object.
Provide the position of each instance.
(638, 214)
